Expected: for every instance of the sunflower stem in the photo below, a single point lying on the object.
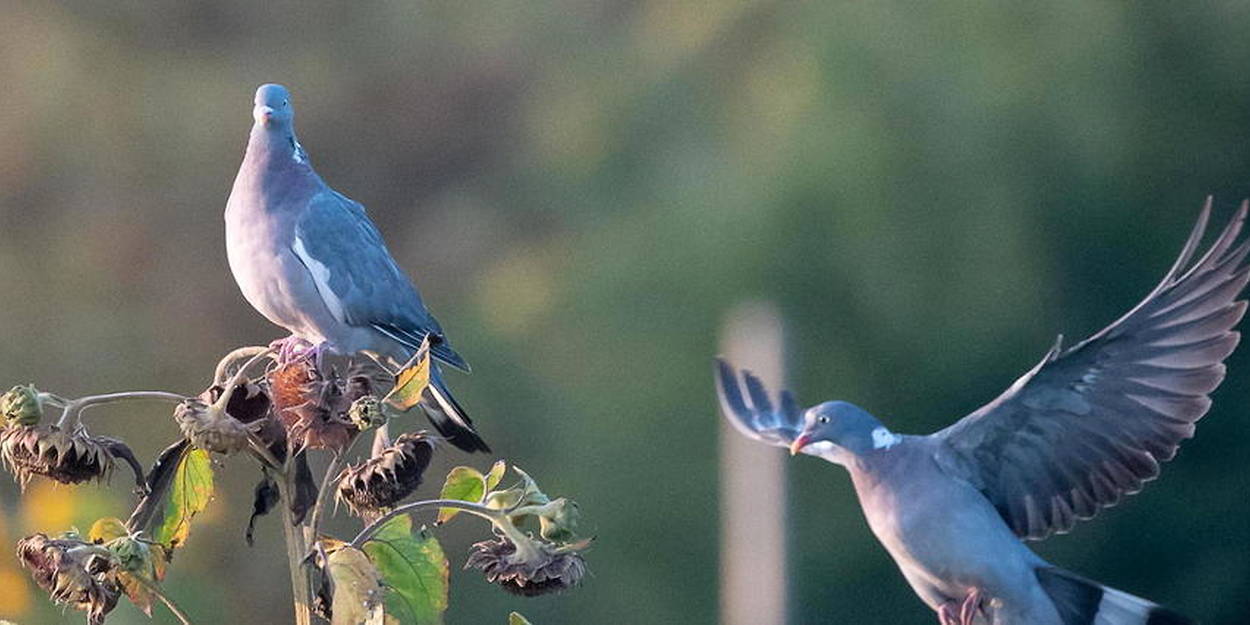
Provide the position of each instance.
(498, 518)
(160, 594)
(296, 549)
(223, 366)
(74, 407)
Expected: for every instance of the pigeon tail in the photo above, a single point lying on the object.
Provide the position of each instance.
(446, 415)
(1080, 601)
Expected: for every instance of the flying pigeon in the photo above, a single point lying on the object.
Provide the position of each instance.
(1083, 428)
(309, 259)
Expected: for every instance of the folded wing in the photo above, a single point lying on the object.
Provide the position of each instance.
(1091, 424)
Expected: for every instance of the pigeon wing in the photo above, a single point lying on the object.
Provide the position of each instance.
(358, 279)
(753, 412)
(1091, 424)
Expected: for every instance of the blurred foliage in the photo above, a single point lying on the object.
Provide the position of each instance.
(930, 192)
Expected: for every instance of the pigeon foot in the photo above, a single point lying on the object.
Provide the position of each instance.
(965, 613)
(290, 348)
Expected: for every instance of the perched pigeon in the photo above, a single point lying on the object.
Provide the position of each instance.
(1086, 426)
(310, 260)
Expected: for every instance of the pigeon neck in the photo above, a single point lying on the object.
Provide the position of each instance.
(276, 148)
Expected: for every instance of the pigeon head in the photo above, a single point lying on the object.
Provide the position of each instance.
(273, 108)
(845, 426)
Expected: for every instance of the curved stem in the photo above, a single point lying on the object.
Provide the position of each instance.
(233, 383)
(332, 472)
(74, 407)
(223, 366)
(490, 514)
(160, 594)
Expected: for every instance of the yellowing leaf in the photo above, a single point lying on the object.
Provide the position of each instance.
(189, 493)
(517, 619)
(106, 529)
(463, 484)
(357, 596)
(410, 383)
(496, 475)
(414, 573)
(136, 592)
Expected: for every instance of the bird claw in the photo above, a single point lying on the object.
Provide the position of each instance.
(971, 607)
(290, 348)
(964, 613)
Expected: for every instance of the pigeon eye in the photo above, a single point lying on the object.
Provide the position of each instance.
(823, 419)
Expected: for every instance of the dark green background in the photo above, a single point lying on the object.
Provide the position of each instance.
(930, 192)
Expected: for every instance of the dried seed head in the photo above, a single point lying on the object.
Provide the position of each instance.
(69, 458)
(73, 572)
(314, 407)
(366, 413)
(538, 569)
(209, 427)
(21, 405)
(384, 480)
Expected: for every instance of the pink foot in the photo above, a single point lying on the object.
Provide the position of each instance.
(290, 348)
(964, 613)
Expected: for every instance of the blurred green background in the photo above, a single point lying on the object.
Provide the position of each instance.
(581, 189)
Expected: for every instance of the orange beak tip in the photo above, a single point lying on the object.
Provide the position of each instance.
(798, 445)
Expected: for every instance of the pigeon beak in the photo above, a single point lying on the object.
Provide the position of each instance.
(264, 114)
(799, 443)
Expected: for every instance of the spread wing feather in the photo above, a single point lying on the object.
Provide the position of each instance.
(1091, 423)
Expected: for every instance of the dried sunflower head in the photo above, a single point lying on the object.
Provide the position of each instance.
(387, 478)
(75, 573)
(538, 568)
(47, 450)
(312, 406)
(208, 427)
(21, 405)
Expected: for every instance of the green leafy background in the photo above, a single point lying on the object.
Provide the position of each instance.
(581, 189)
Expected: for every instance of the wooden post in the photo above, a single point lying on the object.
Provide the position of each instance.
(753, 588)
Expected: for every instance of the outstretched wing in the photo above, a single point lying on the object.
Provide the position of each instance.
(1090, 424)
(358, 279)
(754, 413)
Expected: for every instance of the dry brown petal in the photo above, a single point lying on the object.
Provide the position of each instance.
(312, 406)
(73, 572)
(384, 480)
(548, 568)
(52, 452)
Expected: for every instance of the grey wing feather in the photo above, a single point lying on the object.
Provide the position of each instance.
(359, 279)
(754, 413)
(1091, 424)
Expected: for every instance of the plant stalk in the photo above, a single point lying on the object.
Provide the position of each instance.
(490, 514)
(74, 407)
(296, 550)
(160, 594)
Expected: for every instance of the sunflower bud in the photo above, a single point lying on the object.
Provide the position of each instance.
(21, 405)
(208, 427)
(538, 568)
(366, 413)
(387, 478)
(52, 452)
(75, 573)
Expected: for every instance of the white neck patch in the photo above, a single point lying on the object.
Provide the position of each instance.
(883, 438)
